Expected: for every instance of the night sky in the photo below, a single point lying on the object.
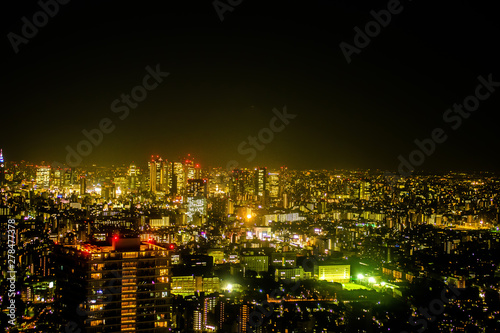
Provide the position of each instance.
(227, 76)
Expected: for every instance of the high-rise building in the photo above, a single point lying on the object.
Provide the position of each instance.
(157, 174)
(196, 208)
(178, 183)
(364, 190)
(197, 320)
(242, 184)
(274, 185)
(243, 318)
(132, 177)
(67, 175)
(43, 176)
(197, 187)
(2, 168)
(124, 287)
(260, 187)
(191, 169)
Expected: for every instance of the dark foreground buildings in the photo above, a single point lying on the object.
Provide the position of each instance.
(119, 288)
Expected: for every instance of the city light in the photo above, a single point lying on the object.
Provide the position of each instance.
(221, 166)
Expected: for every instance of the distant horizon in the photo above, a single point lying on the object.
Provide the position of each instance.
(202, 166)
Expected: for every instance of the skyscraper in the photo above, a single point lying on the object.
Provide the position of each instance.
(178, 183)
(157, 174)
(197, 187)
(260, 187)
(43, 176)
(124, 287)
(132, 174)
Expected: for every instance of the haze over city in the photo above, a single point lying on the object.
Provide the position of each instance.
(250, 166)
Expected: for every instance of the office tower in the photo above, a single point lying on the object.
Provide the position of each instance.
(258, 262)
(43, 176)
(196, 209)
(132, 177)
(191, 169)
(197, 320)
(157, 174)
(242, 184)
(273, 184)
(124, 287)
(67, 175)
(58, 178)
(260, 187)
(197, 187)
(364, 190)
(284, 186)
(178, 183)
(2, 168)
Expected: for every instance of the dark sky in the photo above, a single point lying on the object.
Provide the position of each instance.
(226, 78)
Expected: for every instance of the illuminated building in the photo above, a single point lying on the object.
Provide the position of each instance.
(260, 182)
(108, 191)
(284, 259)
(162, 222)
(197, 187)
(258, 263)
(289, 274)
(209, 306)
(133, 177)
(157, 175)
(333, 273)
(124, 287)
(274, 185)
(58, 178)
(221, 313)
(191, 170)
(196, 206)
(242, 184)
(178, 182)
(244, 312)
(284, 186)
(2, 168)
(43, 176)
(67, 175)
(189, 285)
(217, 254)
(364, 190)
(197, 320)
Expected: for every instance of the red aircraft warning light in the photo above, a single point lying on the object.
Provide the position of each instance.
(115, 238)
(171, 246)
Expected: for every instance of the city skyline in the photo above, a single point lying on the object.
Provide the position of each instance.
(232, 166)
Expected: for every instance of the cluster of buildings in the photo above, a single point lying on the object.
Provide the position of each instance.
(169, 246)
